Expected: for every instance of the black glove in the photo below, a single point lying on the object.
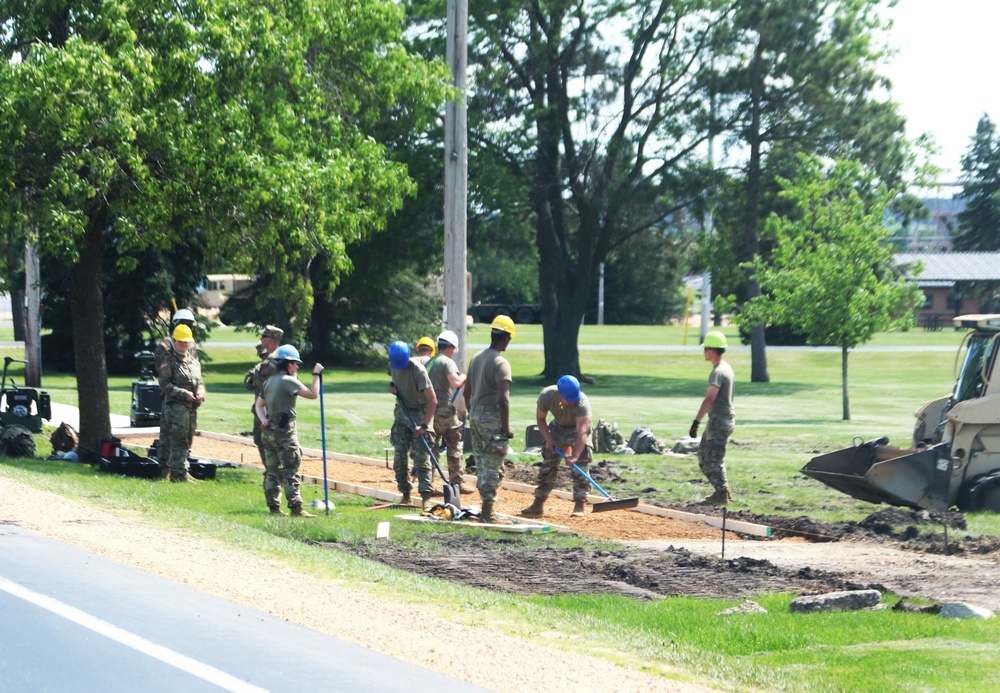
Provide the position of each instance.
(694, 428)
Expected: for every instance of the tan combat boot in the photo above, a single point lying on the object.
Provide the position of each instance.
(425, 501)
(720, 497)
(275, 510)
(578, 507)
(184, 478)
(297, 511)
(536, 508)
(406, 499)
(487, 515)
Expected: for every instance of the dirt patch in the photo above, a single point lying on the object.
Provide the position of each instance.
(652, 567)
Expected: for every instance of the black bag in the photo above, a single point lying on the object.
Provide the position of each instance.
(201, 469)
(129, 463)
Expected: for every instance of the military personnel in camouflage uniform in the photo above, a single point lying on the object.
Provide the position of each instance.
(270, 340)
(183, 392)
(487, 399)
(718, 405)
(275, 406)
(415, 404)
(163, 348)
(570, 426)
(447, 380)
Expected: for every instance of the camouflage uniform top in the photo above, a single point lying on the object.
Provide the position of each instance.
(563, 414)
(259, 374)
(180, 375)
(165, 347)
(410, 383)
(439, 372)
(722, 377)
(280, 393)
(486, 369)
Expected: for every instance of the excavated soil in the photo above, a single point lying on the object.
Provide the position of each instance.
(662, 557)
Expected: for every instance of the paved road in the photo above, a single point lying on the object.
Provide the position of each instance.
(72, 621)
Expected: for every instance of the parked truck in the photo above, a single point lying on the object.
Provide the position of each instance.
(954, 456)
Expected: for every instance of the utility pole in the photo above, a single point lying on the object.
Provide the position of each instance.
(706, 275)
(456, 178)
(32, 318)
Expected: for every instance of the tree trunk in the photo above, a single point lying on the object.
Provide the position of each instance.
(17, 313)
(751, 222)
(843, 381)
(87, 304)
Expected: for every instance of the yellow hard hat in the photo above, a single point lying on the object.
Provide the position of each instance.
(504, 324)
(715, 340)
(182, 333)
(427, 342)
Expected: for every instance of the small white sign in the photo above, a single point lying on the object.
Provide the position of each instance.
(383, 530)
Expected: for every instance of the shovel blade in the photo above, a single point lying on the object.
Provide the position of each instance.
(615, 505)
(452, 495)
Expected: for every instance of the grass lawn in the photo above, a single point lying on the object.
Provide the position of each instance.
(780, 426)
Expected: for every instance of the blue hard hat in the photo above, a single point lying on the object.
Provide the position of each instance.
(399, 355)
(286, 352)
(569, 388)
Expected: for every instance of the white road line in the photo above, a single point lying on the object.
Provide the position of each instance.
(136, 642)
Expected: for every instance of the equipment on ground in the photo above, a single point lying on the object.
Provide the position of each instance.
(147, 400)
(610, 503)
(23, 406)
(452, 494)
(954, 456)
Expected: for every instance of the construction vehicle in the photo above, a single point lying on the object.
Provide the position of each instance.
(147, 401)
(954, 456)
(23, 406)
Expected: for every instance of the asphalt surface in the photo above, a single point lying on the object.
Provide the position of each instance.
(73, 621)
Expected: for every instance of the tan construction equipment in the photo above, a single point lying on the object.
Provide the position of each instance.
(954, 457)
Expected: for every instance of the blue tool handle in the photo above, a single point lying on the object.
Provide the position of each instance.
(322, 429)
(585, 475)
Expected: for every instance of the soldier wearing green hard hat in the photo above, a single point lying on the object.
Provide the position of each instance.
(718, 406)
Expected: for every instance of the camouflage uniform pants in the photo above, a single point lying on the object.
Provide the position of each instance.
(449, 428)
(282, 459)
(163, 444)
(489, 446)
(404, 442)
(258, 439)
(181, 422)
(551, 462)
(712, 450)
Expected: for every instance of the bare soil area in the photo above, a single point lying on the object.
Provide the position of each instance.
(891, 549)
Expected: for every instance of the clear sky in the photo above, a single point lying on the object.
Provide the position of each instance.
(944, 76)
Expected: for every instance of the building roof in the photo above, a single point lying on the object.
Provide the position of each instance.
(952, 267)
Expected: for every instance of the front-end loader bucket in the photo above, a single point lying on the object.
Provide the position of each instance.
(877, 473)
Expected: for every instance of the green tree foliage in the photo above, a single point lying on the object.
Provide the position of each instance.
(595, 109)
(979, 222)
(794, 76)
(830, 273)
(137, 124)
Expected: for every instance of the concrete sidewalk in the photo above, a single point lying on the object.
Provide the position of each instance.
(64, 413)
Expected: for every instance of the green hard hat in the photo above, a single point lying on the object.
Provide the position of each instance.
(715, 340)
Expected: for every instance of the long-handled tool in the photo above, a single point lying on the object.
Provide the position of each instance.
(322, 428)
(610, 503)
(451, 493)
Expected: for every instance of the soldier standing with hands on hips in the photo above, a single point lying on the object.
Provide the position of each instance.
(718, 405)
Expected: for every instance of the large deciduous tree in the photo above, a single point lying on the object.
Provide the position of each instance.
(597, 107)
(795, 76)
(830, 273)
(137, 123)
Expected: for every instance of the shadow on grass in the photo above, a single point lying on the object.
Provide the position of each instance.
(667, 385)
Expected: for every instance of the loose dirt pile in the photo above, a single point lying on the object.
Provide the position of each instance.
(669, 557)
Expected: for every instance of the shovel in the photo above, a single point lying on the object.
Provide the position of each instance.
(610, 503)
(322, 428)
(451, 492)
